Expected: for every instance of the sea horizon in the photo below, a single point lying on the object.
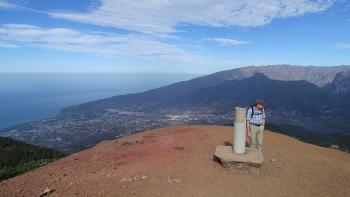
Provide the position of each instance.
(26, 97)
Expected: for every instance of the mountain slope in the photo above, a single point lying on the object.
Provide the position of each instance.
(18, 157)
(290, 95)
(318, 75)
(149, 164)
(341, 82)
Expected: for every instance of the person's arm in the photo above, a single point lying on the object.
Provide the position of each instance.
(264, 117)
(248, 121)
(248, 129)
(249, 115)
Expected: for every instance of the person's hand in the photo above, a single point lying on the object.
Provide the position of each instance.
(248, 129)
(247, 139)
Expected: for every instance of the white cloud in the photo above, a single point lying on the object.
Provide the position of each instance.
(227, 41)
(164, 16)
(4, 4)
(104, 44)
(7, 45)
(343, 45)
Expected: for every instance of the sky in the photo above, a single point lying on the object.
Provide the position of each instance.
(170, 36)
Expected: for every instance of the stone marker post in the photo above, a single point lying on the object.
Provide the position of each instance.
(237, 155)
(239, 131)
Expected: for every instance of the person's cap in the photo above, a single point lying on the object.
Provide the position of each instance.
(260, 102)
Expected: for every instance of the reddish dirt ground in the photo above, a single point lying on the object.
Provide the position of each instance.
(148, 164)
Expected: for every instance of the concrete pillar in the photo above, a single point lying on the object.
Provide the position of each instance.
(239, 131)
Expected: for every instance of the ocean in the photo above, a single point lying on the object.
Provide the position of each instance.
(29, 97)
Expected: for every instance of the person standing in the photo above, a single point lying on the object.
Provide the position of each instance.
(256, 119)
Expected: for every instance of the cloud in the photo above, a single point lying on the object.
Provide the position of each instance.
(163, 16)
(227, 41)
(6, 45)
(343, 45)
(103, 44)
(4, 4)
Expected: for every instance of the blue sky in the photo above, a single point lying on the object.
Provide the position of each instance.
(158, 36)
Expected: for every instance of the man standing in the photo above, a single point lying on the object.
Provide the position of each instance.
(256, 119)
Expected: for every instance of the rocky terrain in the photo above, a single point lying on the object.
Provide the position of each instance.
(178, 161)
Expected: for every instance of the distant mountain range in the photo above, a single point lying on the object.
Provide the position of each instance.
(320, 76)
(310, 97)
(341, 83)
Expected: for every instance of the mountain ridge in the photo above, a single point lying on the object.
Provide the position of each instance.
(318, 75)
(341, 82)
